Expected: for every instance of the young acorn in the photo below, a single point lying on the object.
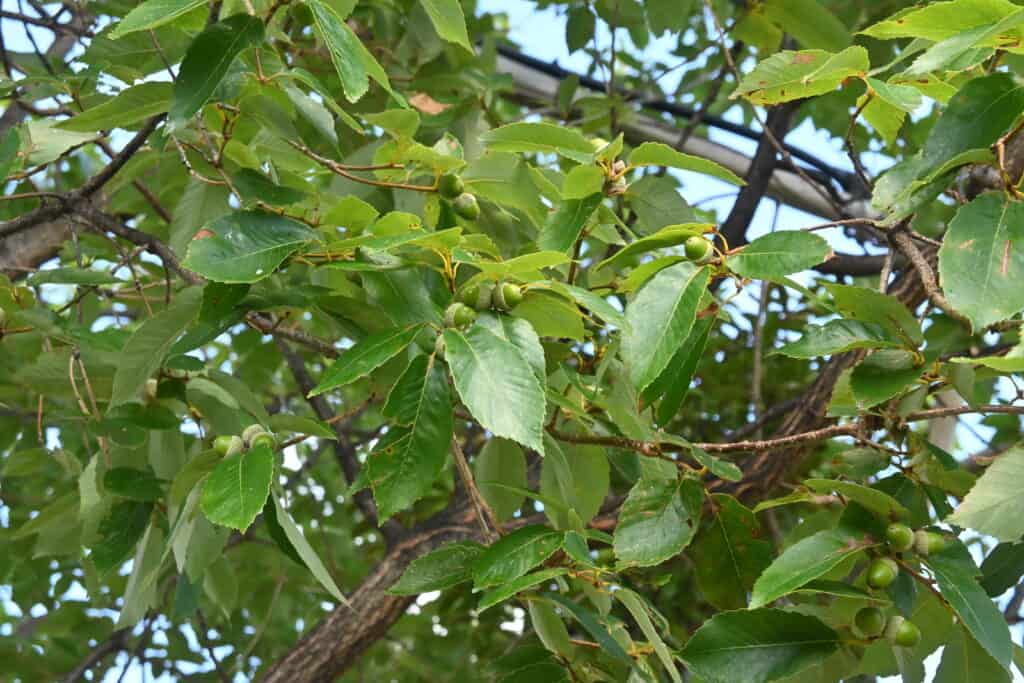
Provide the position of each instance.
(901, 632)
(928, 542)
(870, 622)
(459, 315)
(466, 206)
(900, 537)
(882, 572)
(450, 186)
(506, 296)
(250, 432)
(697, 248)
(228, 445)
(264, 439)
(478, 296)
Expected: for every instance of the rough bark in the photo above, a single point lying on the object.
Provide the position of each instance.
(337, 642)
(765, 471)
(20, 254)
(24, 252)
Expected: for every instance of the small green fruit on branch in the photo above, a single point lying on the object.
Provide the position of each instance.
(228, 445)
(899, 631)
(466, 206)
(477, 296)
(928, 542)
(255, 435)
(506, 296)
(450, 186)
(882, 572)
(697, 248)
(459, 315)
(250, 432)
(870, 622)
(503, 296)
(900, 537)
(252, 436)
(264, 439)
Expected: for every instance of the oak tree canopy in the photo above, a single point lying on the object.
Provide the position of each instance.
(345, 340)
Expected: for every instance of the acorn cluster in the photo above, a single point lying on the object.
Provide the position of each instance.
(882, 572)
(501, 296)
(252, 436)
(452, 189)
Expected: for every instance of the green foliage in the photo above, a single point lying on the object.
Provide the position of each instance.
(344, 307)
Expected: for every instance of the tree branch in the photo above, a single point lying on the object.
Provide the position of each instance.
(734, 228)
(342, 446)
(337, 642)
(104, 222)
(115, 642)
(78, 200)
(906, 244)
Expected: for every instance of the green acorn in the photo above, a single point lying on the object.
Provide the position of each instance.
(882, 572)
(506, 296)
(228, 445)
(459, 315)
(250, 432)
(900, 537)
(466, 206)
(450, 186)
(870, 622)
(477, 296)
(697, 248)
(901, 632)
(263, 439)
(928, 542)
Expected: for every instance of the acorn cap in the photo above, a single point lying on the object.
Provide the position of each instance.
(251, 431)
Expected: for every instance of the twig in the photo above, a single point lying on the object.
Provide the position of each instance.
(202, 633)
(656, 448)
(484, 513)
(77, 199)
(883, 277)
(268, 326)
(343, 171)
(757, 364)
(115, 642)
(934, 413)
(104, 222)
(94, 184)
(851, 152)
